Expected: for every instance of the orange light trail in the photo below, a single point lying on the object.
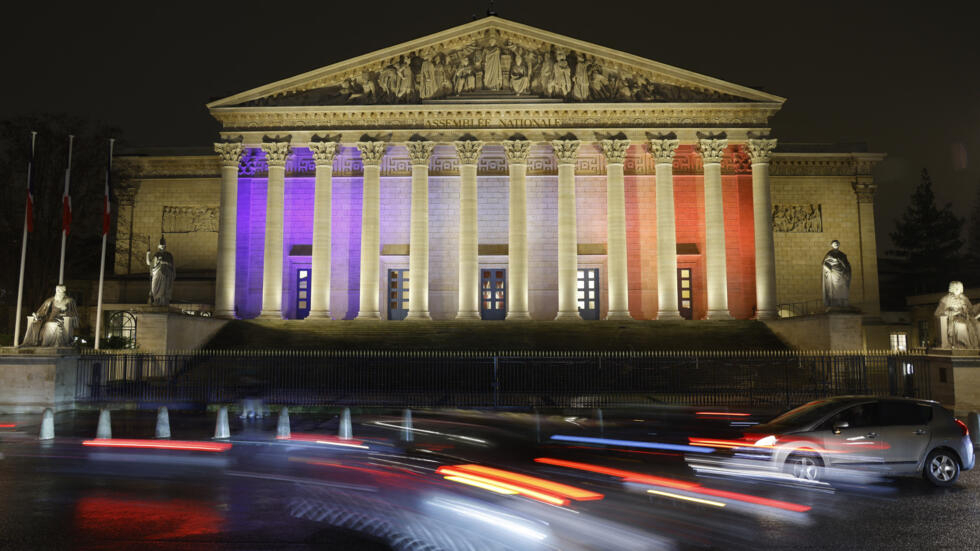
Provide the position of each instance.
(159, 444)
(629, 476)
(8, 426)
(528, 486)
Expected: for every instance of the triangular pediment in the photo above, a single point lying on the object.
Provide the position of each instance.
(491, 61)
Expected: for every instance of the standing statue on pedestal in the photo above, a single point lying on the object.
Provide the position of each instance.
(960, 319)
(162, 274)
(836, 277)
(54, 322)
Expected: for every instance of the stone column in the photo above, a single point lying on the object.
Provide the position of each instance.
(371, 154)
(711, 150)
(663, 149)
(224, 282)
(864, 189)
(276, 154)
(760, 151)
(323, 156)
(615, 152)
(418, 248)
(517, 152)
(567, 151)
(469, 268)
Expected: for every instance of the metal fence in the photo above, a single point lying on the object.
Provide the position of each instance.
(775, 379)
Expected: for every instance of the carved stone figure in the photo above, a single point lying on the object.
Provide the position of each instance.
(464, 80)
(388, 80)
(836, 277)
(54, 323)
(561, 81)
(519, 79)
(428, 85)
(581, 88)
(492, 73)
(162, 274)
(406, 81)
(960, 319)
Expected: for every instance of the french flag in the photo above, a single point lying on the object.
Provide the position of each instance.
(106, 207)
(65, 197)
(30, 187)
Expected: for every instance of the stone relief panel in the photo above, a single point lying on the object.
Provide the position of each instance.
(797, 218)
(492, 63)
(189, 219)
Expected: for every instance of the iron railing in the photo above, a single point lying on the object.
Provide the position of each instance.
(775, 379)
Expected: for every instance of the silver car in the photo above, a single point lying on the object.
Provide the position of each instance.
(887, 436)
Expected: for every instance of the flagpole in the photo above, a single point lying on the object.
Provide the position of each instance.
(66, 212)
(23, 247)
(105, 234)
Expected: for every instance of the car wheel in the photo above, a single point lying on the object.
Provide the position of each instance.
(942, 468)
(805, 467)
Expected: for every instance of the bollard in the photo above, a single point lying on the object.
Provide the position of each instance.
(407, 435)
(104, 430)
(283, 430)
(47, 425)
(345, 432)
(973, 423)
(221, 425)
(163, 422)
(602, 425)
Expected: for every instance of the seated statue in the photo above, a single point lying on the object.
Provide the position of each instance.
(961, 322)
(54, 323)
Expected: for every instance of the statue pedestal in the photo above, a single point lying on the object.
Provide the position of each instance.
(955, 378)
(837, 329)
(33, 379)
(166, 329)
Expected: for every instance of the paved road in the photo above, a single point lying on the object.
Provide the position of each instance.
(309, 492)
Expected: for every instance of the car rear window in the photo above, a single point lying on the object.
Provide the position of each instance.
(905, 413)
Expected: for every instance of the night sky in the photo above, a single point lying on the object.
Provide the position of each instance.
(905, 81)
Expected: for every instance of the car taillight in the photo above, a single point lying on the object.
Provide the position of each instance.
(963, 427)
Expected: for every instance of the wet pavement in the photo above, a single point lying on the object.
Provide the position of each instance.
(376, 491)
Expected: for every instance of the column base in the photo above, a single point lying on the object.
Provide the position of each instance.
(619, 316)
(468, 316)
(518, 316)
(568, 316)
(418, 316)
(225, 315)
(368, 316)
(319, 315)
(270, 315)
(669, 315)
(766, 315)
(718, 315)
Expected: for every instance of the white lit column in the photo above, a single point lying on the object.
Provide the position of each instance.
(517, 152)
(567, 151)
(224, 284)
(469, 269)
(276, 154)
(371, 154)
(711, 151)
(323, 156)
(418, 247)
(663, 149)
(760, 150)
(615, 152)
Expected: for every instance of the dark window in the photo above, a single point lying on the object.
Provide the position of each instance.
(905, 413)
(859, 416)
(942, 375)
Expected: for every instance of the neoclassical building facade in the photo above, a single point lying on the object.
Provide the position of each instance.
(498, 171)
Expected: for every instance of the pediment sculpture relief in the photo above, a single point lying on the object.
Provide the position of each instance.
(492, 65)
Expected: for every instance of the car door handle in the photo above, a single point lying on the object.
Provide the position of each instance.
(871, 435)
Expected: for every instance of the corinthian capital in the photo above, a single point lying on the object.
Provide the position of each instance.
(760, 150)
(663, 150)
(711, 148)
(566, 151)
(276, 152)
(468, 151)
(372, 152)
(420, 151)
(324, 152)
(615, 150)
(517, 151)
(229, 152)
